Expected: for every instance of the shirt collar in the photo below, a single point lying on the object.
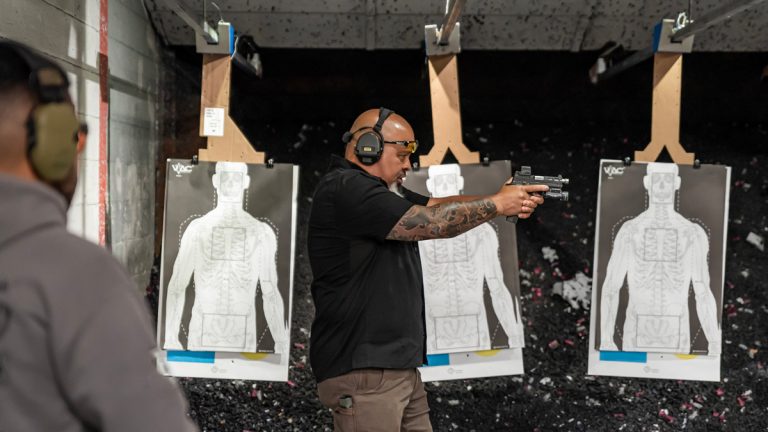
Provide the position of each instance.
(340, 162)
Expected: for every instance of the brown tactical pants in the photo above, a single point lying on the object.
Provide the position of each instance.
(386, 400)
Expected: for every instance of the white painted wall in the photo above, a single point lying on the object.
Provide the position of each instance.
(68, 32)
(134, 62)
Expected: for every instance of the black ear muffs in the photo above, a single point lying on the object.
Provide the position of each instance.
(52, 127)
(370, 144)
(369, 147)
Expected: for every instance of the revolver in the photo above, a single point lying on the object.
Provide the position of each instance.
(524, 177)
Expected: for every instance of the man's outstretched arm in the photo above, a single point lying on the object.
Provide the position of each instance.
(450, 218)
(453, 198)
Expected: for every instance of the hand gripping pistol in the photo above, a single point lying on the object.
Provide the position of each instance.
(525, 177)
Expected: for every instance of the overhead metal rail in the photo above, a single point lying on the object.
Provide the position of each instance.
(447, 38)
(205, 30)
(716, 15)
(667, 35)
(452, 12)
(208, 40)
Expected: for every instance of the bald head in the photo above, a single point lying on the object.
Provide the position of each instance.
(395, 125)
(394, 159)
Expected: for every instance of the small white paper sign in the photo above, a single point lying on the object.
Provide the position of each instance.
(213, 122)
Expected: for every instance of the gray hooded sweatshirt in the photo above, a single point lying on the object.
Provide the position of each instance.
(76, 346)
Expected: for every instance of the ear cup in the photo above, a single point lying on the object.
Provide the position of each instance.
(53, 140)
(369, 147)
(370, 144)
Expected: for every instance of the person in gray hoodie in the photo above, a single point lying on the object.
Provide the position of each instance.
(76, 344)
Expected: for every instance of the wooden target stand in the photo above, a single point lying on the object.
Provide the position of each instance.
(231, 145)
(446, 113)
(665, 115)
(444, 91)
(665, 108)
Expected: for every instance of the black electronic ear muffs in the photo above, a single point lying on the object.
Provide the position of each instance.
(52, 125)
(370, 144)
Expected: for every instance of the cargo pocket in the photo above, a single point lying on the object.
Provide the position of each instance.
(330, 390)
(344, 419)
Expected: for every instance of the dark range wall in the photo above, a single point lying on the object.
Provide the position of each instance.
(540, 110)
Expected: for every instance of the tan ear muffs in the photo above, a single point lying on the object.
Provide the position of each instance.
(54, 135)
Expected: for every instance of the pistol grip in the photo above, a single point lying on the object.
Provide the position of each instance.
(512, 219)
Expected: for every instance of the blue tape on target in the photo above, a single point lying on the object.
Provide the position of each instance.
(438, 359)
(192, 356)
(620, 356)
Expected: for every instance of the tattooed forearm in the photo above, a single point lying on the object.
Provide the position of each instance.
(443, 220)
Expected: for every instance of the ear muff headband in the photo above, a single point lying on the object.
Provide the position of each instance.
(370, 144)
(52, 125)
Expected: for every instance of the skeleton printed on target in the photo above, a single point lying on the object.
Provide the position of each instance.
(226, 258)
(660, 260)
(463, 276)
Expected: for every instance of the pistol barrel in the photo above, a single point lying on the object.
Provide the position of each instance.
(557, 194)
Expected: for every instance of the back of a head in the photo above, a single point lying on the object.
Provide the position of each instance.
(14, 71)
(14, 93)
(39, 131)
(17, 64)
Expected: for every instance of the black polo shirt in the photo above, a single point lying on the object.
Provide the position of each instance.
(368, 291)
